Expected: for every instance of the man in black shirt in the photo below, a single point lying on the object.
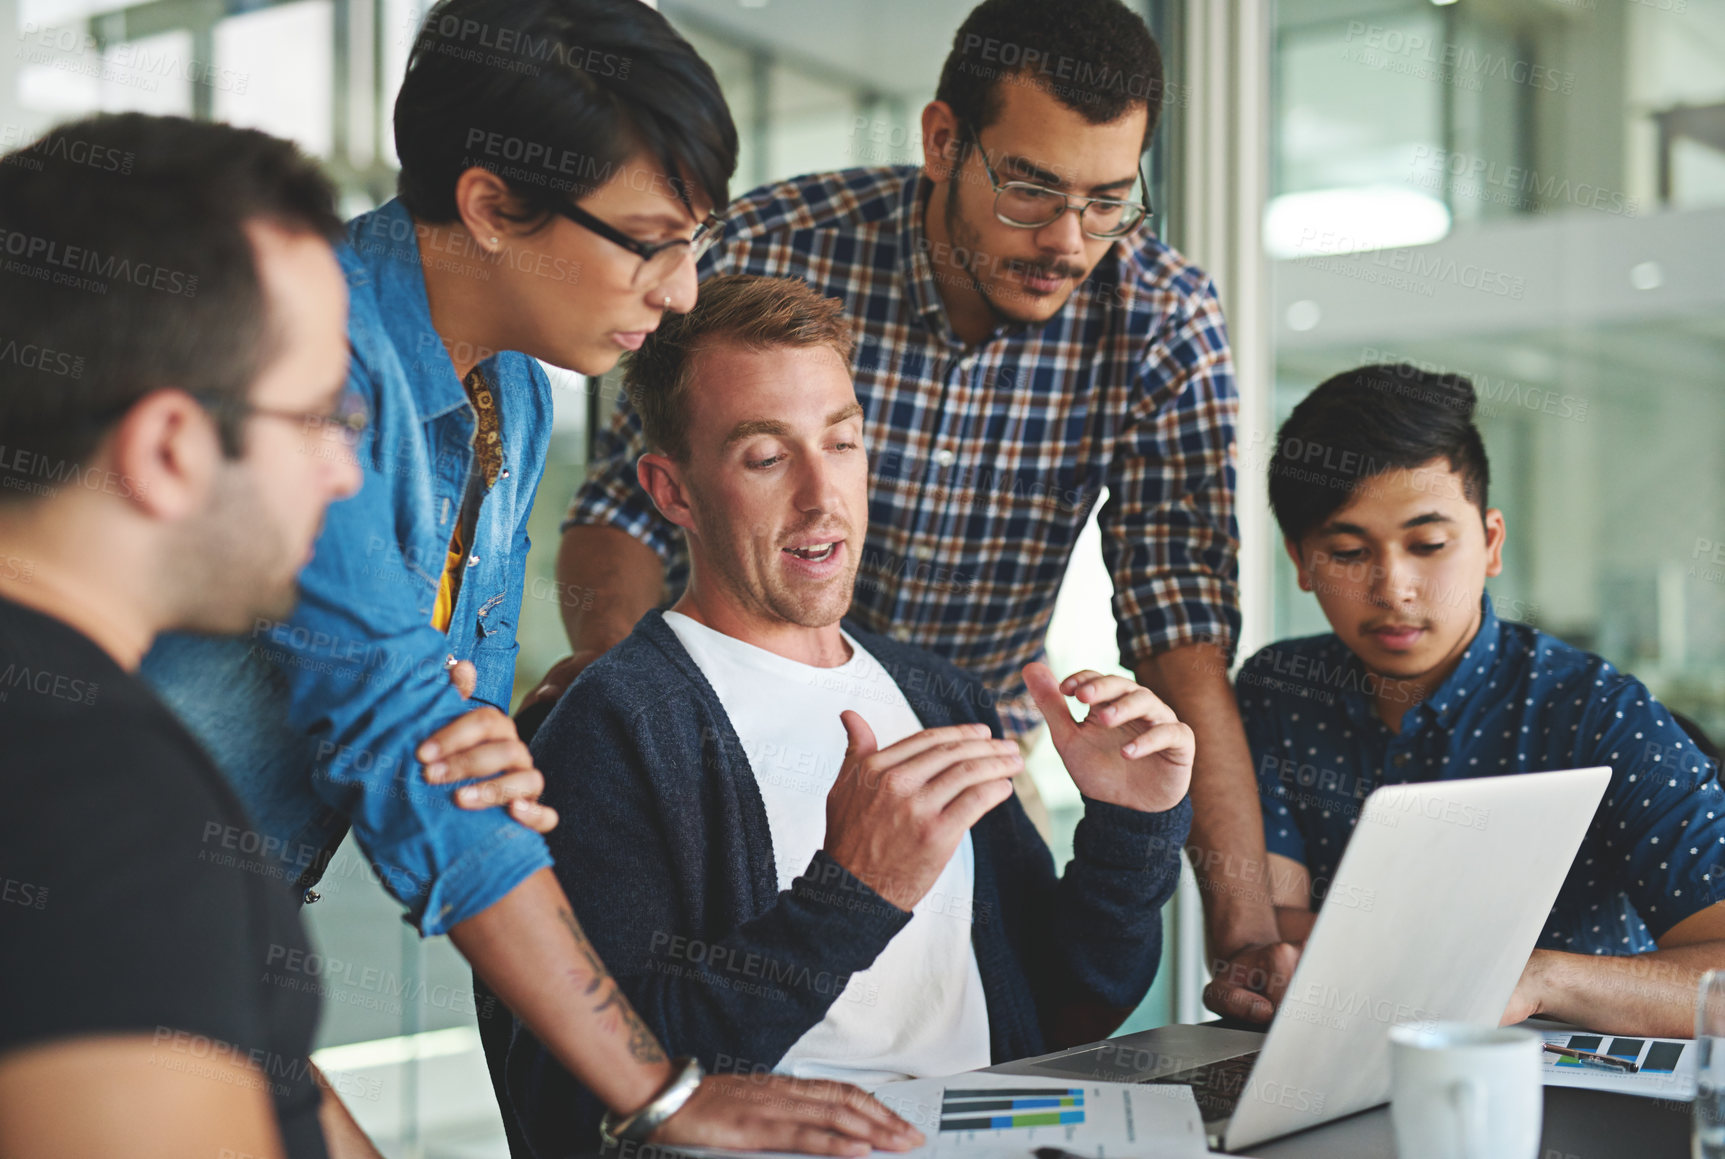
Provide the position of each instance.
(173, 363)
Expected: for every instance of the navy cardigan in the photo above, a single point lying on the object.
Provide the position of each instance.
(666, 856)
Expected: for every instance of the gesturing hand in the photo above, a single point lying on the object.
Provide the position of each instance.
(1128, 750)
(895, 815)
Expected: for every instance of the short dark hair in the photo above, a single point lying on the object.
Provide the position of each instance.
(1096, 57)
(125, 268)
(553, 96)
(756, 312)
(1363, 423)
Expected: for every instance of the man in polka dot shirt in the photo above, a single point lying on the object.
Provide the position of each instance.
(1379, 483)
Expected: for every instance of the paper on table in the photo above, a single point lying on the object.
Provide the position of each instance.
(1091, 1119)
(980, 1114)
(1667, 1064)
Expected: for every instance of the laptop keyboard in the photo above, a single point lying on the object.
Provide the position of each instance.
(1217, 1086)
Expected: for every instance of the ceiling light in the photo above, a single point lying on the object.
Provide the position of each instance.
(1338, 221)
(1304, 315)
(1647, 276)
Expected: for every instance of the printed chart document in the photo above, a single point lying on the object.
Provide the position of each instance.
(979, 1114)
(982, 1116)
(1666, 1066)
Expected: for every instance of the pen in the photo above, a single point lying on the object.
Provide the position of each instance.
(1588, 1056)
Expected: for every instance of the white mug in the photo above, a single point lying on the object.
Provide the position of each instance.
(1466, 1092)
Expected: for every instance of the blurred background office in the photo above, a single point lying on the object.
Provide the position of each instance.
(1530, 192)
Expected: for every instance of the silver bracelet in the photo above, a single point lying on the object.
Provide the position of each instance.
(644, 1122)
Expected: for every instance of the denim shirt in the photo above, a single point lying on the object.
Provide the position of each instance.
(315, 718)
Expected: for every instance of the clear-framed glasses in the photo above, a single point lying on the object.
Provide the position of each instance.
(1026, 205)
(659, 260)
(346, 422)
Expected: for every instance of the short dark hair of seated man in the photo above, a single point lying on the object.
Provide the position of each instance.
(175, 346)
(796, 845)
(1379, 480)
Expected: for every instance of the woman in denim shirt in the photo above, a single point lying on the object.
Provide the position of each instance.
(560, 162)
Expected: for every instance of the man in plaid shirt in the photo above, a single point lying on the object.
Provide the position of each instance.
(1025, 347)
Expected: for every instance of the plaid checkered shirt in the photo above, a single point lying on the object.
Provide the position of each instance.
(986, 461)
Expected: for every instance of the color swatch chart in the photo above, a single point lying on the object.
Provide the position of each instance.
(1006, 1107)
(982, 1115)
(1664, 1067)
(1661, 1056)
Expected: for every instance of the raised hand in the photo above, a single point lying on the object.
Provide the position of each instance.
(895, 815)
(1128, 750)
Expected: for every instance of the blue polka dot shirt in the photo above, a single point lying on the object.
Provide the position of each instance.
(1519, 701)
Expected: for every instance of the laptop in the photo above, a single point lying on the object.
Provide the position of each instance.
(1434, 910)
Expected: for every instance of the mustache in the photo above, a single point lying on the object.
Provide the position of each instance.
(1056, 269)
(820, 531)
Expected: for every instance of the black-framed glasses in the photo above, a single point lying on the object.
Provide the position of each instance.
(659, 260)
(1026, 205)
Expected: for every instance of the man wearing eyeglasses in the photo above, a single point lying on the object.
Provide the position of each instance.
(1025, 344)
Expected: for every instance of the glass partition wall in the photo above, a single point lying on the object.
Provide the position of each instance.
(1529, 192)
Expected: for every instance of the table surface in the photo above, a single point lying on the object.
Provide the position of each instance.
(1578, 1125)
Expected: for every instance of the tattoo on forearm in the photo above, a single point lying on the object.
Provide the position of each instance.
(610, 1004)
(643, 1046)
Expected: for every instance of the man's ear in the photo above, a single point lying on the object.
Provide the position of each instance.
(1301, 572)
(1495, 533)
(940, 141)
(164, 455)
(662, 479)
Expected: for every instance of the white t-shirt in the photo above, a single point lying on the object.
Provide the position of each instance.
(919, 1010)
